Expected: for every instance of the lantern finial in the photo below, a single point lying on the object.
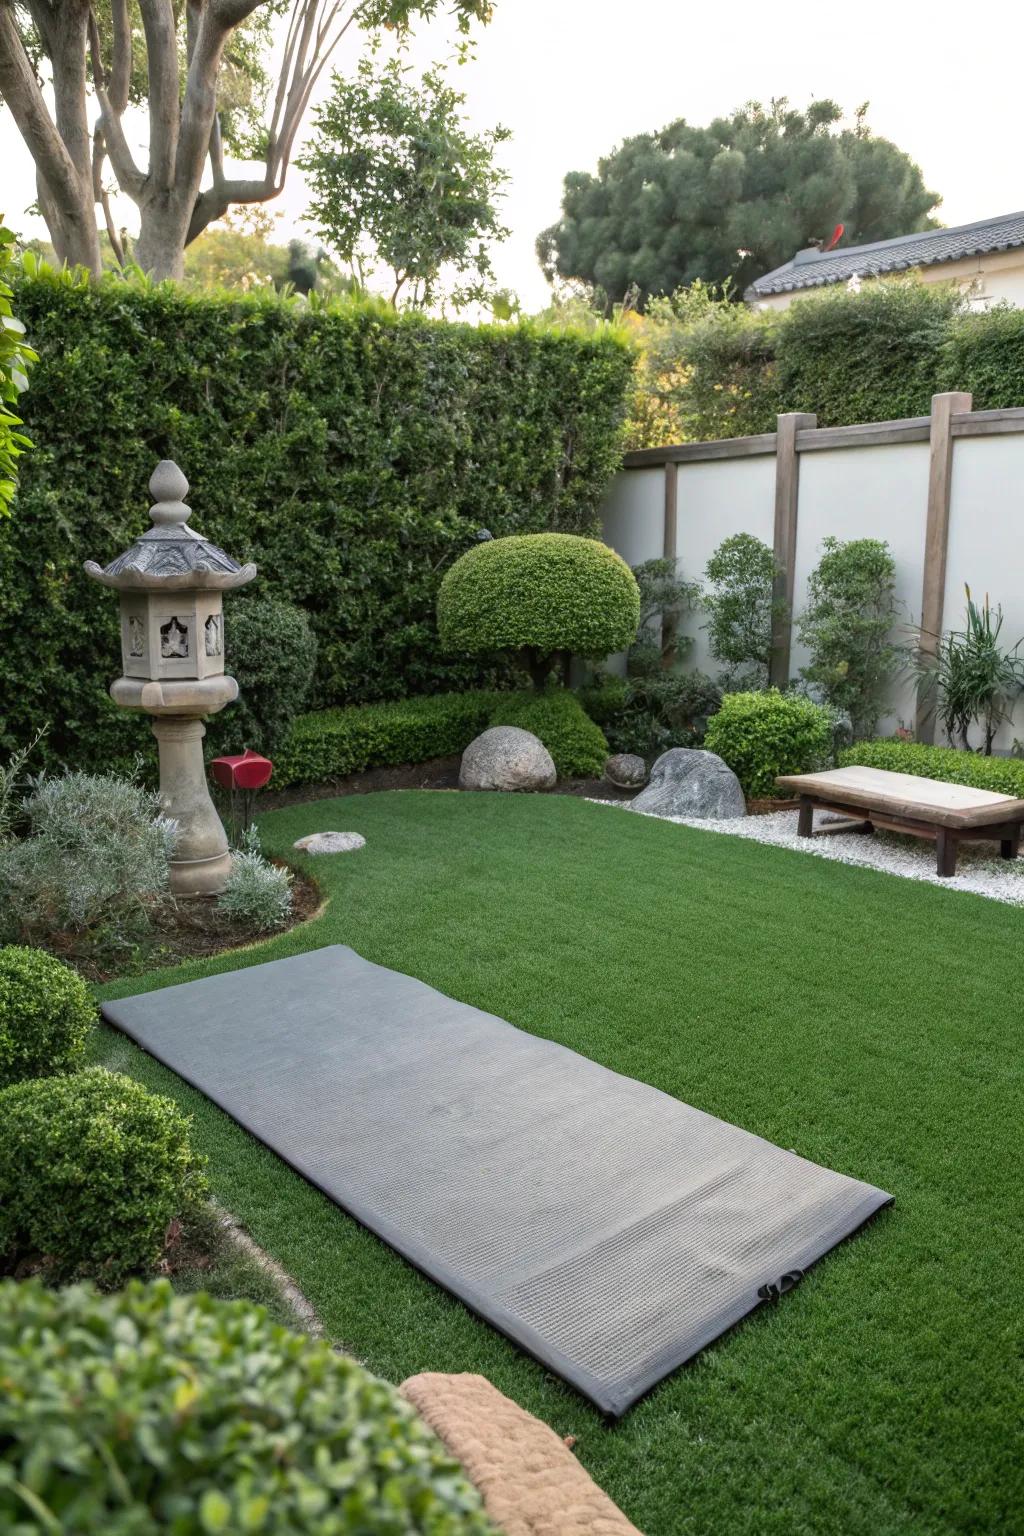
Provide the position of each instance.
(169, 488)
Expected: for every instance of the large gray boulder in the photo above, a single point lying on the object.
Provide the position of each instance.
(506, 757)
(689, 782)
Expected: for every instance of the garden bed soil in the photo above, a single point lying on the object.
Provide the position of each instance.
(180, 931)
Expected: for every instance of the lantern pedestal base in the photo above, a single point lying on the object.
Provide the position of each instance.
(201, 862)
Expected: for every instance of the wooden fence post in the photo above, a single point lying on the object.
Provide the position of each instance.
(670, 552)
(936, 538)
(787, 495)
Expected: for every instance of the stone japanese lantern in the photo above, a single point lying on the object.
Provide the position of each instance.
(171, 583)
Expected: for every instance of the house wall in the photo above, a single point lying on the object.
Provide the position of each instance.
(881, 480)
(995, 278)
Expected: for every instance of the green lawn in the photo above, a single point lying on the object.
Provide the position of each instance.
(870, 1023)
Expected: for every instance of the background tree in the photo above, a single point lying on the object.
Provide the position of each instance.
(741, 609)
(239, 252)
(730, 201)
(847, 627)
(199, 68)
(396, 177)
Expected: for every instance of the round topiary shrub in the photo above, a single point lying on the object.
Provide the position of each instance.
(536, 594)
(148, 1412)
(761, 735)
(271, 650)
(93, 1168)
(45, 1014)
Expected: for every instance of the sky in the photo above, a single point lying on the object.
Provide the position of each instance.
(572, 78)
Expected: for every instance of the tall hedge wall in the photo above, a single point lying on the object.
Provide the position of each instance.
(350, 452)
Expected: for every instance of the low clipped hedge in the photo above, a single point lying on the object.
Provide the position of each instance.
(93, 1169)
(151, 1412)
(46, 1011)
(761, 735)
(578, 747)
(950, 765)
(331, 743)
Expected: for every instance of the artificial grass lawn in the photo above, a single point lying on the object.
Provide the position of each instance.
(868, 1022)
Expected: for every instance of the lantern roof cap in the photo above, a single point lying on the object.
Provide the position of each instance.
(170, 556)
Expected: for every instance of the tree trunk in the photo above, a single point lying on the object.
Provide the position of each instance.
(160, 248)
(538, 666)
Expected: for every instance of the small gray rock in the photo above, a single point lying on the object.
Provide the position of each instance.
(331, 842)
(506, 757)
(688, 782)
(626, 770)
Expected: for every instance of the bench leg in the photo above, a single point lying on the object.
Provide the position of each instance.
(805, 820)
(1009, 846)
(945, 853)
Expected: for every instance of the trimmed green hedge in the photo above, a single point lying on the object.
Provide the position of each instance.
(331, 743)
(950, 765)
(985, 354)
(351, 452)
(577, 746)
(151, 1412)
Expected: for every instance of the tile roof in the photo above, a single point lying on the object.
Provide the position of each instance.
(815, 269)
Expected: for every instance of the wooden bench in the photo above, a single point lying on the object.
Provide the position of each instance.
(951, 814)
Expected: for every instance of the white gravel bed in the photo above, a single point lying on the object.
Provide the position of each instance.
(979, 867)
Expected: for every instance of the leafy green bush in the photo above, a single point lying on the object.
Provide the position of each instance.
(330, 743)
(847, 627)
(578, 747)
(93, 1168)
(258, 894)
(950, 765)
(151, 1412)
(742, 609)
(538, 595)
(15, 358)
(984, 353)
(876, 355)
(272, 651)
(94, 862)
(603, 698)
(46, 1011)
(351, 452)
(970, 678)
(662, 710)
(761, 735)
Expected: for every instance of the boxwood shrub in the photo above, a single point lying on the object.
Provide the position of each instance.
(46, 1011)
(151, 1412)
(577, 746)
(538, 594)
(93, 1168)
(951, 765)
(761, 735)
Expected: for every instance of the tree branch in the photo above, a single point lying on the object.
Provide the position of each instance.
(121, 64)
(162, 53)
(20, 90)
(100, 194)
(215, 202)
(129, 178)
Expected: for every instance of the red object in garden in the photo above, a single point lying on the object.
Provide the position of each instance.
(242, 774)
(248, 770)
(837, 235)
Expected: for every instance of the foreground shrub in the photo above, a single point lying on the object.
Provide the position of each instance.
(330, 743)
(258, 894)
(578, 747)
(350, 451)
(537, 597)
(95, 858)
(151, 1412)
(46, 1012)
(761, 735)
(93, 1168)
(272, 652)
(950, 765)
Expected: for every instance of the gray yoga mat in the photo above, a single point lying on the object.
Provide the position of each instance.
(607, 1228)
